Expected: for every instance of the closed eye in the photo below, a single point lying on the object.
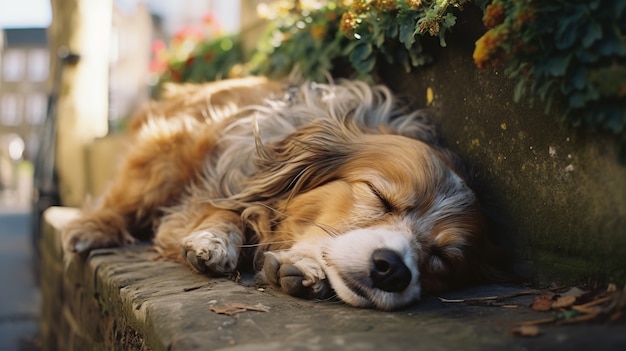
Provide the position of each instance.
(387, 204)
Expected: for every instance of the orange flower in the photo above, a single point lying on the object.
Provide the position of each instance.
(384, 5)
(348, 23)
(494, 15)
(487, 48)
(414, 3)
(361, 6)
(318, 31)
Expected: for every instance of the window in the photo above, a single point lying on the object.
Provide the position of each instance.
(10, 109)
(38, 65)
(35, 107)
(13, 65)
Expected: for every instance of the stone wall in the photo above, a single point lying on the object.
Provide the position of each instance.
(124, 299)
(79, 311)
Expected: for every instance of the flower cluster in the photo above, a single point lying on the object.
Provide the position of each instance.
(316, 37)
(195, 54)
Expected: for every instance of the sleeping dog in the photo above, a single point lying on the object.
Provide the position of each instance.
(337, 189)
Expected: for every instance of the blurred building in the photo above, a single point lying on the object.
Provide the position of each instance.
(24, 61)
(24, 70)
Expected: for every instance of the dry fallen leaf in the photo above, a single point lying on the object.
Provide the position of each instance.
(526, 330)
(574, 291)
(564, 302)
(542, 303)
(233, 308)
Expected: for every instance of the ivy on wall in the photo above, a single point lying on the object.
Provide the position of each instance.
(568, 54)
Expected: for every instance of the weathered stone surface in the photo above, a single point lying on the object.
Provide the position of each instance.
(123, 299)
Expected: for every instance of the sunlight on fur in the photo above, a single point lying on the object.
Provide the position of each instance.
(324, 189)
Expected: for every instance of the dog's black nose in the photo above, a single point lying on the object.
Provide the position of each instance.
(388, 272)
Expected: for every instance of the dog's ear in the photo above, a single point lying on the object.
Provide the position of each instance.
(304, 160)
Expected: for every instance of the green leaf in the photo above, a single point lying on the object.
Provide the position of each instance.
(557, 65)
(587, 56)
(418, 59)
(361, 52)
(593, 33)
(449, 20)
(406, 29)
(579, 77)
(519, 91)
(442, 39)
(365, 67)
(612, 44)
(482, 4)
(392, 29)
(380, 30)
(614, 121)
(577, 100)
(566, 34)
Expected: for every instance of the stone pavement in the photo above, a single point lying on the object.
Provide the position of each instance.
(125, 299)
(19, 294)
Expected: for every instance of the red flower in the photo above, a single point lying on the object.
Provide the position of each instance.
(158, 46)
(157, 66)
(189, 33)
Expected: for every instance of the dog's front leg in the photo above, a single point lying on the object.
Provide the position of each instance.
(208, 239)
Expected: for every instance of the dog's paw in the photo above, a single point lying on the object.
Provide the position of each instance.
(296, 276)
(212, 252)
(84, 235)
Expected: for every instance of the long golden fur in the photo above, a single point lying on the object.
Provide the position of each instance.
(335, 188)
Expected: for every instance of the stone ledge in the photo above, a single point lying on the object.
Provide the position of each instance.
(124, 299)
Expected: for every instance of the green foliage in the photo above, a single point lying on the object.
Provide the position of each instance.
(356, 36)
(210, 60)
(566, 53)
(307, 39)
(352, 36)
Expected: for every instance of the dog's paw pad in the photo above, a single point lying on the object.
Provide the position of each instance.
(209, 252)
(80, 237)
(293, 281)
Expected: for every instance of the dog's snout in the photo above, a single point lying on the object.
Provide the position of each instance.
(388, 272)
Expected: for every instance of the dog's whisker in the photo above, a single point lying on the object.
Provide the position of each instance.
(331, 231)
(265, 243)
(330, 299)
(326, 228)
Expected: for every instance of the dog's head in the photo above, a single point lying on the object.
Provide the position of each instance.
(385, 215)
